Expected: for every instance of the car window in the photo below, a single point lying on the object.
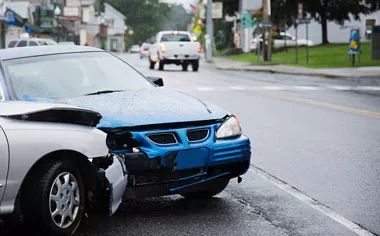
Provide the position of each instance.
(12, 44)
(42, 42)
(33, 43)
(22, 43)
(175, 38)
(70, 75)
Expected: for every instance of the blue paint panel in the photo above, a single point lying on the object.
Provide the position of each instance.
(192, 158)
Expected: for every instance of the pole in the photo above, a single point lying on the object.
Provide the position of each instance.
(307, 43)
(209, 28)
(266, 40)
(296, 43)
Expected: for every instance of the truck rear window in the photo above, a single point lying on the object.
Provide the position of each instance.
(175, 38)
(12, 44)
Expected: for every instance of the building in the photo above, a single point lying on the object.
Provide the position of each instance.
(63, 20)
(116, 29)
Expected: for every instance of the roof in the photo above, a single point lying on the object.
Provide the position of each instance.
(13, 53)
(21, 8)
(109, 8)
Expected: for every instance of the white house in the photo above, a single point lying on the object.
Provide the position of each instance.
(116, 28)
(336, 33)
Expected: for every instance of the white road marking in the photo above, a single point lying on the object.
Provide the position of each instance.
(339, 87)
(289, 88)
(271, 88)
(325, 210)
(205, 89)
(368, 88)
(306, 87)
(237, 88)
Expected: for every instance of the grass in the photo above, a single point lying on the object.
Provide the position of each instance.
(322, 56)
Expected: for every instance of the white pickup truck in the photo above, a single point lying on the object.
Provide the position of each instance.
(174, 47)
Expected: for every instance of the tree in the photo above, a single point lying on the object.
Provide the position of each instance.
(178, 18)
(145, 18)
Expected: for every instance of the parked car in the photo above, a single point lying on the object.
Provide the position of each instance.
(31, 42)
(144, 50)
(174, 47)
(282, 40)
(134, 49)
(54, 164)
(172, 143)
(66, 43)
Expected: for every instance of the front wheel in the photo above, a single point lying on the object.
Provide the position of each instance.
(208, 190)
(54, 200)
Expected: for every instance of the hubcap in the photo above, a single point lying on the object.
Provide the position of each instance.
(64, 200)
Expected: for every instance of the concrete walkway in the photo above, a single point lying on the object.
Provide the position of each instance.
(223, 63)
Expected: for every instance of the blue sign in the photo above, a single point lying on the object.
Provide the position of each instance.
(354, 47)
(10, 17)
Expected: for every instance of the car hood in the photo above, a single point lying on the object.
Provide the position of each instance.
(147, 107)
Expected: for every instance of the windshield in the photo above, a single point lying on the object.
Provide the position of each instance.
(70, 75)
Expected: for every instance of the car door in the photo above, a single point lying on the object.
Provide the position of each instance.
(4, 158)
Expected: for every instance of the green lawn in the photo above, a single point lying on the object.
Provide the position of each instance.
(323, 56)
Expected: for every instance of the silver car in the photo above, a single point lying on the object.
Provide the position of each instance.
(54, 165)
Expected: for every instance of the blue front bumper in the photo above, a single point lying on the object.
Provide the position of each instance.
(185, 163)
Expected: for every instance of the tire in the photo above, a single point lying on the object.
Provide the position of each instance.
(195, 65)
(160, 66)
(43, 197)
(151, 64)
(208, 190)
(184, 66)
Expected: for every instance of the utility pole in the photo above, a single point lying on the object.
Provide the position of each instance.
(267, 32)
(210, 30)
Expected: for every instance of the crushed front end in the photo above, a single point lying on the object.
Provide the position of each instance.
(171, 158)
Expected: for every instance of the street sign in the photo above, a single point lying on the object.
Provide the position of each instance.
(10, 17)
(217, 10)
(304, 21)
(354, 47)
(265, 25)
(247, 21)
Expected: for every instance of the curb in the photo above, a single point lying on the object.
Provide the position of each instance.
(275, 71)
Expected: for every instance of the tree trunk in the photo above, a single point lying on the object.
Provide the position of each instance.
(324, 29)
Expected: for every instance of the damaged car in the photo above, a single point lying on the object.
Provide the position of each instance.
(172, 143)
(55, 165)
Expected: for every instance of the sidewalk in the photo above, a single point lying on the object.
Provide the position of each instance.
(223, 63)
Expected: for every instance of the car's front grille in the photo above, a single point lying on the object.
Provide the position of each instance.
(197, 135)
(163, 138)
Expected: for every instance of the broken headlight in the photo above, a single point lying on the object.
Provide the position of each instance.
(229, 128)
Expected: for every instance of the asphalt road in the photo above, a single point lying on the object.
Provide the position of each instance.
(321, 136)
(316, 159)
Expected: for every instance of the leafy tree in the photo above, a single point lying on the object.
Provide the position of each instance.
(145, 18)
(178, 18)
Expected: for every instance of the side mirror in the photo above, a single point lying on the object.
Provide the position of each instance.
(156, 80)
